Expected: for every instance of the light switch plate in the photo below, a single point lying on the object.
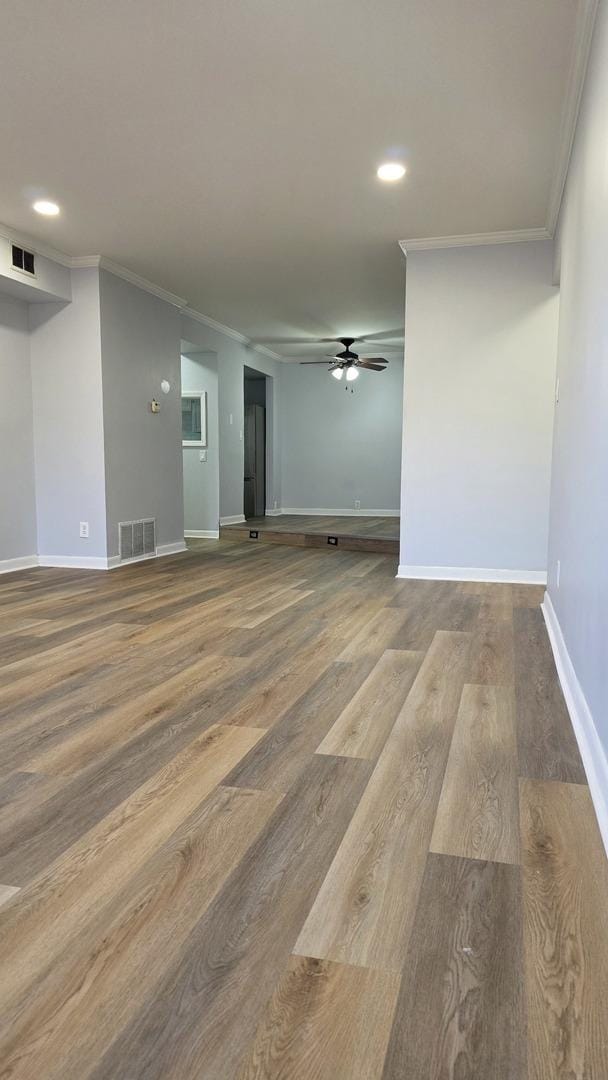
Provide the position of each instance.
(202, 456)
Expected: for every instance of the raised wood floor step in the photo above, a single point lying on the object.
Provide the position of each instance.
(379, 545)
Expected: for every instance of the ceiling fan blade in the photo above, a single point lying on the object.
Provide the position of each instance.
(384, 345)
(316, 361)
(372, 367)
(384, 334)
(374, 359)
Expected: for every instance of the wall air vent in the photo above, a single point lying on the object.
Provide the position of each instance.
(23, 260)
(136, 539)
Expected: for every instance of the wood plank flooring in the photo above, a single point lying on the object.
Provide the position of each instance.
(355, 533)
(267, 812)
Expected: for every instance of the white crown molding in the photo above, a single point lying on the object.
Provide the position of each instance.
(509, 236)
(128, 275)
(585, 21)
(24, 240)
(213, 324)
(472, 573)
(583, 36)
(100, 262)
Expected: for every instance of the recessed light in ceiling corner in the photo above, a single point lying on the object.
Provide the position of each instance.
(46, 207)
(391, 170)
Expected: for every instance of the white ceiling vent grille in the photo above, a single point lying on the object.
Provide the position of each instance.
(136, 539)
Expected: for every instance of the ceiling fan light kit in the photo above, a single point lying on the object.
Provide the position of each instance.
(349, 361)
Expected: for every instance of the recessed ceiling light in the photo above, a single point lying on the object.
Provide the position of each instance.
(391, 170)
(49, 209)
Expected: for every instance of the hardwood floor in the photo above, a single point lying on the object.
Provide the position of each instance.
(356, 533)
(267, 812)
(382, 528)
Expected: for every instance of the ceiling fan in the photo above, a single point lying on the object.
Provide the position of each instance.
(348, 361)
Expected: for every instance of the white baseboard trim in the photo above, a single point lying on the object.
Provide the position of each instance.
(591, 749)
(317, 511)
(472, 573)
(22, 562)
(84, 562)
(273, 513)
(75, 562)
(202, 534)
(233, 519)
(171, 549)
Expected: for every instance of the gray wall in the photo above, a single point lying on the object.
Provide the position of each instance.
(202, 478)
(68, 421)
(232, 358)
(481, 343)
(140, 346)
(17, 488)
(579, 494)
(337, 447)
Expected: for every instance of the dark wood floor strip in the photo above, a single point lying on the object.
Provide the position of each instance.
(461, 1005)
(545, 739)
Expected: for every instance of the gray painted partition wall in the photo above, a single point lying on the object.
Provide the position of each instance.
(232, 358)
(65, 348)
(481, 350)
(17, 486)
(202, 478)
(85, 430)
(140, 346)
(340, 447)
(578, 533)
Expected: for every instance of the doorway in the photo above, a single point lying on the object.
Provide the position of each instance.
(254, 480)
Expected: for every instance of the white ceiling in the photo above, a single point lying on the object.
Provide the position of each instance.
(227, 149)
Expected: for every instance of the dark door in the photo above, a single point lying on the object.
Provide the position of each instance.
(255, 461)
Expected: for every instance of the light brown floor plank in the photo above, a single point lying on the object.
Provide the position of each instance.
(364, 910)
(362, 727)
(108, 970)
(566, 932)
(7, 892)
(202, 1017)
(478, 813)
(91, 870)
(325, 1021)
